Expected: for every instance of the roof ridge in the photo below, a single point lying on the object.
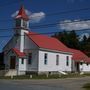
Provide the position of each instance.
(48, 42)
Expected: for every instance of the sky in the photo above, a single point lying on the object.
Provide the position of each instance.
(42, 12)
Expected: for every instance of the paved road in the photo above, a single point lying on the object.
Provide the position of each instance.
(61, 84)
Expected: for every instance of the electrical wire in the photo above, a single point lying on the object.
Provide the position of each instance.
(55, 24)
(46, 33)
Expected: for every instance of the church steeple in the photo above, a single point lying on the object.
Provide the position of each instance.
(22, 14)
(22, 19)
(21, 26)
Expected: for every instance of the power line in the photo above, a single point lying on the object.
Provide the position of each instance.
(10, 3)
(52, 24)
(58, 13)
(70, 11)
(57, 23)
(39, 33)
(42, 27)
(48, 25)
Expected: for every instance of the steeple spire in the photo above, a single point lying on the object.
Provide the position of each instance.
(22, 14)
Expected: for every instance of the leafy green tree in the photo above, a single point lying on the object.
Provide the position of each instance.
(71, 40)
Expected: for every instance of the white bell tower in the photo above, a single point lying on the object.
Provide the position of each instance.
(21, 26)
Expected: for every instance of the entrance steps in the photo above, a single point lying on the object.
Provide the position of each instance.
(62, 72)
(11, 73)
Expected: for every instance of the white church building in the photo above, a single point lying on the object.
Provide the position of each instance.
(30, 52)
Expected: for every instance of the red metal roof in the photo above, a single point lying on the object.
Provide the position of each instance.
(18, 53)
(78, 55)
(88, 60)
(46, 42)
(22, 14)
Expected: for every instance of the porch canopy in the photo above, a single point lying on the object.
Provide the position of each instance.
(18, 53)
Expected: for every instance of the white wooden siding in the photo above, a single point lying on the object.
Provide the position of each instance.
(51, 63)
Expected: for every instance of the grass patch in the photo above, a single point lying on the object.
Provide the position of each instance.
(87, 74)
(3, 77)
(87, 86)
(37, 77)
(44, 76)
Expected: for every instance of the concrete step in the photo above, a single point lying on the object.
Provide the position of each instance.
(11, 73)
(62, 72)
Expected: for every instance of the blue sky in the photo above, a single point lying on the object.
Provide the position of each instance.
(42, 8)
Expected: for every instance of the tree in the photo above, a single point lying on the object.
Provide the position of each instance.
(71, 40)
(86, 45)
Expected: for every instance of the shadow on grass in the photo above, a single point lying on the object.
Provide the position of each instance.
(87, 86)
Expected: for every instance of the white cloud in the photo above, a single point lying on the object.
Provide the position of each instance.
(82, 35)
(28, 12)
(14, 14)
(74, 25)
(34, 17)
(37, 17)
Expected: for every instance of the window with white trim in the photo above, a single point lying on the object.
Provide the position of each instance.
(30, 58)
(18, 23)
(67, 60)
(22, 61)
(45, 58)
(57, 59)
